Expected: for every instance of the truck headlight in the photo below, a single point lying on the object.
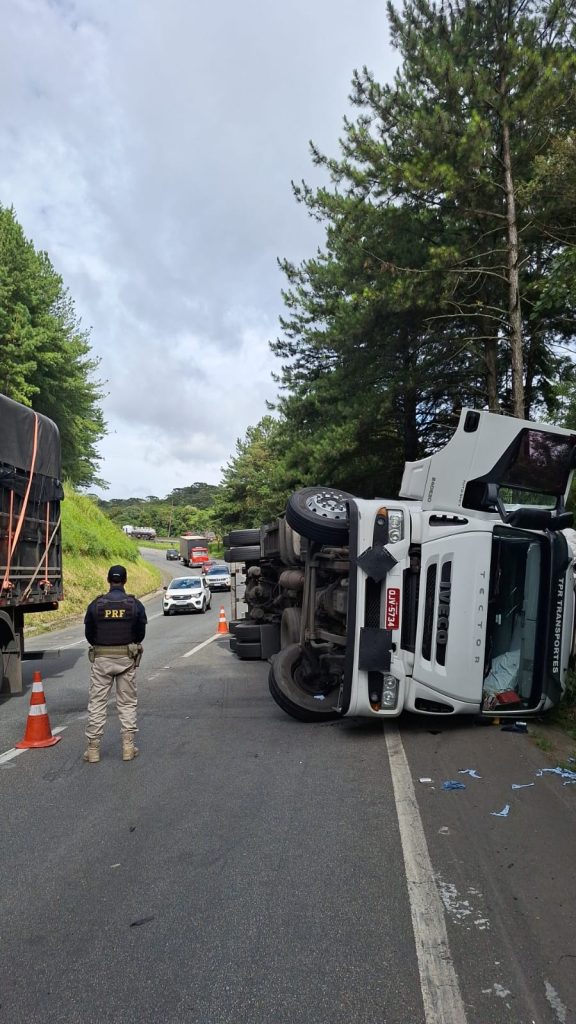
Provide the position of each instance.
(395, 525)
(389, 691)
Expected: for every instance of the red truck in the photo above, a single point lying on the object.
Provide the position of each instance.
(194, 550)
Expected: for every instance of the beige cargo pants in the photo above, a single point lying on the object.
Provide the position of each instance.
(104, 672)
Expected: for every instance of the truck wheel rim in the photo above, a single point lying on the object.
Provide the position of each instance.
(327, 505)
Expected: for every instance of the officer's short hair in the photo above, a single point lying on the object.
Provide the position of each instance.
(117, 574)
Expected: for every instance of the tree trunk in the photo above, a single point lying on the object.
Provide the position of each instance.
(491, 363)
(514, 313)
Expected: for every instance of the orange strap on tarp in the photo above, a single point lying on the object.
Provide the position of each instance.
(6, 581)
(46, 581)
(28, 590)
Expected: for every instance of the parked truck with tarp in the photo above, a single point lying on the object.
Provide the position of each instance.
(30, 536)
(455, 597)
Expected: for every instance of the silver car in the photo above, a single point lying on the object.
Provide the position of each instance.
(218, 577)
(186, 594)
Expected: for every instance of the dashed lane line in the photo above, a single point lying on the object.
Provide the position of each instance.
(10, 754)
(203, 644)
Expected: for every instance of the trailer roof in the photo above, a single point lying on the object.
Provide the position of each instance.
(17, 424)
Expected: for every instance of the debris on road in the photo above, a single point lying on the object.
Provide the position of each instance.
(514, 727)
(469, 771)
(522, 785)
(501, 814)
(452, 784)
(564, 773)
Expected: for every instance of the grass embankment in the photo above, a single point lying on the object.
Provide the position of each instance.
(91, 543)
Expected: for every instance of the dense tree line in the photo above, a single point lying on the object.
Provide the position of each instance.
(45, 359)
(184, 509)
(447, 275)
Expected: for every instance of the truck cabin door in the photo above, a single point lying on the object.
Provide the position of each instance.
(518, 469)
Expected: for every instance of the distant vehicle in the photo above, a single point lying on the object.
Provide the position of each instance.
(172, 554)
(140, 532)
(143, 533)
(186, 594)
(218, 578)
(194, 550)
(208, 565)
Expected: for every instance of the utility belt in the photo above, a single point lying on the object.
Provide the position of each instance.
(133, 651)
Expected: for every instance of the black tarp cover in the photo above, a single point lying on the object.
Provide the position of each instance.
(17, 439)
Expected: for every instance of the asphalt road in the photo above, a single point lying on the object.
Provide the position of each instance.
(250, 869)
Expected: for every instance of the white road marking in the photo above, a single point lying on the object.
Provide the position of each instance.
(204, 644)
(10, 754)
(54, 650)
(438, 980)
(556, 1003)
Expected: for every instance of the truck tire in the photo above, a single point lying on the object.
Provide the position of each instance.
(233, 642)
(238, 538)
(319, 513)
(247, 632)
(291, 693)
(290, 627)
(247, 553)
(287, 548)
(248, 651)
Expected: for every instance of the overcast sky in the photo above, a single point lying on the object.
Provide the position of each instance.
(148, 146)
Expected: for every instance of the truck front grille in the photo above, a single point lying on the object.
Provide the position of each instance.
(429, 603)
(437, 613)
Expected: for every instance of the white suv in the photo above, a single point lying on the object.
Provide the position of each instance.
(186, 594)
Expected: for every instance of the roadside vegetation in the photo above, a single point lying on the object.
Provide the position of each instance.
(91, 544)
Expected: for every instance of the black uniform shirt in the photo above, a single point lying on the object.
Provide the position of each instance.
(138, 621)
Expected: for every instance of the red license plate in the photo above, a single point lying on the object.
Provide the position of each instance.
(392, 607)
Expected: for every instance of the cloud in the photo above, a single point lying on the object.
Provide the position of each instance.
(149, 149)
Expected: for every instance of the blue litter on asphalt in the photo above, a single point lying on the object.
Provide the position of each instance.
(501, 814)
(452, 784)
(564, 773)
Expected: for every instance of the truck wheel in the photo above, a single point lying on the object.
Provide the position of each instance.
(237, 538)
(292, 690)
(247, 553)
(286, 544)
(233, 642)
(247, 651)
(320, 513)
(290, 627)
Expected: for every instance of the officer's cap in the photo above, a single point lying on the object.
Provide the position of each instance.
(117, 574)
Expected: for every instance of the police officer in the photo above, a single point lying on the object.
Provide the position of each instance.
(114, 626)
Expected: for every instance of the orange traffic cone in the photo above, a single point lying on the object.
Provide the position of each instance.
(38, 732)
(222, 624)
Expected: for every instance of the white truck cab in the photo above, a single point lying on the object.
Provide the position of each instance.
(455, 597)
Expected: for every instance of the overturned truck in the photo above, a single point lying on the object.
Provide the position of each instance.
(30, 535)
(455, 597)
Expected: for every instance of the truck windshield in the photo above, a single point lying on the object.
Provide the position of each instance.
(510, 667)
